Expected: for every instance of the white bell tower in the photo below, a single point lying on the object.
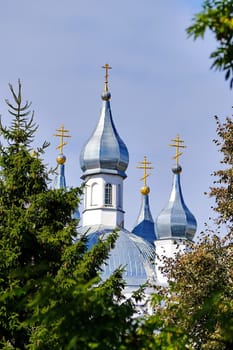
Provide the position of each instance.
(104, 160)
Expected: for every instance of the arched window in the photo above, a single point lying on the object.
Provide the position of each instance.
(94, 194)
(108, 195)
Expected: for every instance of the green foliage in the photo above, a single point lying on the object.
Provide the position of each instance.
(51, 293)
(32, 241)
(217, 16)
(199, 301)
(77, 309)
(223, 189)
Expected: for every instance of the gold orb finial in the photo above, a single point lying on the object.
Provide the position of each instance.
(145, 165)
(145, 190)
(61, 159)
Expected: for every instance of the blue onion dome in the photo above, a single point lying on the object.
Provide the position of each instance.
(104, 152)
(133, 253)
(145, 226)
(60, 180)
(176, 220)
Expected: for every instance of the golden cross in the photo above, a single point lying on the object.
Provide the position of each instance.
(62, 134)
(178, 143)
(106, 67)
(145, 165)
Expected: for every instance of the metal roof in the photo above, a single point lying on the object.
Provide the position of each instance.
(176, 220)
(133, 253)
(145, 226)
(104, 152)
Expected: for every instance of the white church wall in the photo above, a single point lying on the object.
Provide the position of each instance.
(168, 248)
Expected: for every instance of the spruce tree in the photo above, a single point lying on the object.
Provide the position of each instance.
(51, 292)
(33, 219)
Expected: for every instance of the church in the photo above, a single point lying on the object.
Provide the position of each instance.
(104, 160)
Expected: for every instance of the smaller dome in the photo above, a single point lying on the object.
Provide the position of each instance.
(145, 226)
(60, 180)
(176, 220)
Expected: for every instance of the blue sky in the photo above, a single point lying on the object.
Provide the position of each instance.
(161, 85)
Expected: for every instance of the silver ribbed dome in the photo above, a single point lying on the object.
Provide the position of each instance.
(176, 220)
(60, 180)
(145, 226)
(130, 251)
(104, 152)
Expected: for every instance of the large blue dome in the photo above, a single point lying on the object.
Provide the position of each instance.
(104, 152)
(133, 253)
